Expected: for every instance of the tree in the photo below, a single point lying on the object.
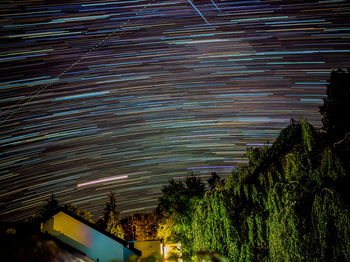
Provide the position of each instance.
(140, 227)
(288, 204)
(214, 181)
(111, 217)
(165, 229)
(50, 208)
(178, 201)
(336, 107)
(214, 229)
(111, 207)
(80, 212)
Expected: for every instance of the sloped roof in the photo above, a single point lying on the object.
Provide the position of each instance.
(93, 226)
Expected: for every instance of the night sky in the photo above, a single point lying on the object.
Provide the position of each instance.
(124, 95)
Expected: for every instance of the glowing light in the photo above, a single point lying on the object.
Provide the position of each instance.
(102, 180)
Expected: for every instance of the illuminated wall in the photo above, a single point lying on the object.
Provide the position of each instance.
(148, 247)
(84, 238)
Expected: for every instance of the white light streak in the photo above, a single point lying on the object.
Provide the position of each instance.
(102, 180)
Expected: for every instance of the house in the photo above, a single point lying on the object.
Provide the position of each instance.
(87, 238)
(20, 241)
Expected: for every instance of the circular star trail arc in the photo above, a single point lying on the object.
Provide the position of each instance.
(165, 95)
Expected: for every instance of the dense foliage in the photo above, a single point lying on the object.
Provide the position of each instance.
(140, 227)
(81, 212)
(286, 205)
(176, 207)
(290, 203)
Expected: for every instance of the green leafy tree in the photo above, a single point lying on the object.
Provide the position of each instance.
(214, 227)
(178, 201)
(330, 220)
(288, 204)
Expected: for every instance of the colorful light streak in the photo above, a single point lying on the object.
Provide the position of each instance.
(166, 92)
(198, 11)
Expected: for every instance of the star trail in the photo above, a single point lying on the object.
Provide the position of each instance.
(124, 95)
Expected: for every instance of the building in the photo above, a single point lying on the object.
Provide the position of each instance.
(87, 238)
(147, 248)
(169, 251)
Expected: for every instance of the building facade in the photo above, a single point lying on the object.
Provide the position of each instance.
(87, 238)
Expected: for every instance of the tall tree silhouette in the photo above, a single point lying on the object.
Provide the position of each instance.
(111, 218)
(336, 107)
(50, 208)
